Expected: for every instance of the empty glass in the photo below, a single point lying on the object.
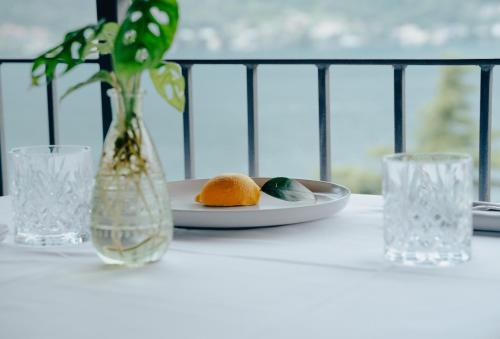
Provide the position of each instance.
(427, 208)
(51, 189)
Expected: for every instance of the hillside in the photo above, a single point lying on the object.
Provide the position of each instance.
(230, 26)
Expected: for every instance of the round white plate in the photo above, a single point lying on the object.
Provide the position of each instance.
(330, 199)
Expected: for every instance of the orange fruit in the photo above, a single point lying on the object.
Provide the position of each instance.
(231, 189)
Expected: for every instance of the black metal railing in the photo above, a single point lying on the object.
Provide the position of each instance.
(323, 66)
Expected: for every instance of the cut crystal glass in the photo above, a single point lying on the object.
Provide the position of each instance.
(427, 208)
(51, 188)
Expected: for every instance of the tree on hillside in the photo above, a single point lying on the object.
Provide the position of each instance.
(444, 124)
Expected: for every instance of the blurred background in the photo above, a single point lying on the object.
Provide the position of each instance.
(442, 103)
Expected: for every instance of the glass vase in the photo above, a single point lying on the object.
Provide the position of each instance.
(131, 220)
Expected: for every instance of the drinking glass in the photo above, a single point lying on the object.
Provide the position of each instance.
(51, 190)
(427, 208)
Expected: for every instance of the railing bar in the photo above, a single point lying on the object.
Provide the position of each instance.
(3, 146)
(106, 110)
(485, 133)
(252, 121)
(189, 166)
(367, 62)
(399, 109)
(52, 112)
(346, 62)
(29, 61)
(107, 10)
(325, 151)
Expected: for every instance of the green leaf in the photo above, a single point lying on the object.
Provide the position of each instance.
(103, 43)
(99, 76)
(287, 189)
(145, 35)
(71, 52)
(169, 83)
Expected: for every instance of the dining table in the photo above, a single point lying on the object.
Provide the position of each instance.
(320, 279)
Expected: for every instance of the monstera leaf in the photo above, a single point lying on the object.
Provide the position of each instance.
(169, 83)
(145, 35)
(71, 52)
(103, 42)
(101, 75)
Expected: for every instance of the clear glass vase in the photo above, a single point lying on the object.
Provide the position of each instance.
(131, 220)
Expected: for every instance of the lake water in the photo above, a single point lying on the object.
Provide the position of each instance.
(361, 105)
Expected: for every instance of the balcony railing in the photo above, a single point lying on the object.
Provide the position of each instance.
(324, 113)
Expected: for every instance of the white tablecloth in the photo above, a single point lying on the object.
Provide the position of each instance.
(324, 279)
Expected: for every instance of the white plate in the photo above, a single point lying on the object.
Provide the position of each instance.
(331, 198)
